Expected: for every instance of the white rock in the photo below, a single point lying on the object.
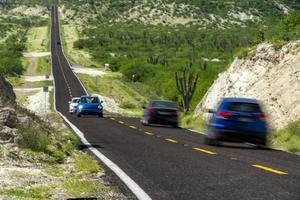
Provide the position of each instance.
(272, 76)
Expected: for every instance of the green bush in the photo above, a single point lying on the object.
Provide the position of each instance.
(287, 138)
(79, 44)
(57, 155)
(10, 65)
(86, 163)
(243, 53)
(294, 129)
(138, 73)
(127, 105)
(34, 139)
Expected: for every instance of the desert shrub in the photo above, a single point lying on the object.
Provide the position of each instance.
(115, 64)
(33, 138)
(287, 138)
(138, 73)
(243, 53)
(294, 128)
(10, 66)
(127, 104)
(86, 163)
(57, 155)
(79, 44)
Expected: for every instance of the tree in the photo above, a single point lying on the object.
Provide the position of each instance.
(186, 85)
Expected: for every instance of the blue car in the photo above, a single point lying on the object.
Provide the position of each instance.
(237, 120)
(89, 105)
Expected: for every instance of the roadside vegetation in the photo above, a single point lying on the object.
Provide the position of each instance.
(287, 138)
(129, 96)
(13, 37)
(39, 38)
(77, 57)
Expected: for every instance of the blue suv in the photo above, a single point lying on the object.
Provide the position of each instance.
(237, 120)
(89, 105)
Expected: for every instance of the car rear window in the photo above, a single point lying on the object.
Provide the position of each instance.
(244, 107)
(164, 104)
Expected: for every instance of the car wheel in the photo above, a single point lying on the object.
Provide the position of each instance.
(211, 137)
(71, 113)
(78, 115)
(100, 115)
(261, 145)
(145, 122)
(211, 141)
(175, 125)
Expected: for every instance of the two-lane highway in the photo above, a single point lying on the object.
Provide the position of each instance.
(169, 163)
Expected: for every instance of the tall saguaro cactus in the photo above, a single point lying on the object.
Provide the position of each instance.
(186, 85)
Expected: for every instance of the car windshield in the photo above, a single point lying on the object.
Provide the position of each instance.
(167, 104)
(89, 100)
(244, 107)
(75, 100)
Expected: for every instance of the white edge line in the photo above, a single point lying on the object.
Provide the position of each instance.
(135, 188)
(192, 130)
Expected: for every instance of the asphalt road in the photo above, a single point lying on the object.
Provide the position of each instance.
(170, 163)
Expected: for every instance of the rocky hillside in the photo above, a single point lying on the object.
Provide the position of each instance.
(7, 94)
(11, 115)
(180, 12)
(268, 74)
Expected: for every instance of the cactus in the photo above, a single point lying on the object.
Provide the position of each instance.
(186, 86)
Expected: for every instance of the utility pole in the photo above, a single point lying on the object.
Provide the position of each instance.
(46, 90)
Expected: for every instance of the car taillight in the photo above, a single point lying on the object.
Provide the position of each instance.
(262, 116)
(151, 110)
(224, 115)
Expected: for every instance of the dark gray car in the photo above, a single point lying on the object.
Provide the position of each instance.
(161, 112)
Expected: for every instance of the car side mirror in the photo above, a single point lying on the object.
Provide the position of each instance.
(211, 111)
(70, 102)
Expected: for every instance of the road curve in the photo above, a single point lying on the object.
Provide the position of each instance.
(170, 163)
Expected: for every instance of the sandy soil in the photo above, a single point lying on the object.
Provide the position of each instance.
(88, 71)
(35, 54)
(109, 104)
(32, 66)
(37, 78)
(39, 103)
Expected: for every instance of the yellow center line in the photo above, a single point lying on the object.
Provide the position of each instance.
(270, 169)
(59, 62)
(148, 133)
(132, 127)
(205, 151)
(121, 122)
(171, 140)
(112, 118)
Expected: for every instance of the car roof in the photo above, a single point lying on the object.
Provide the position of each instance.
(162, 101)
(76, 98)
(87, 96)
(239, 99)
